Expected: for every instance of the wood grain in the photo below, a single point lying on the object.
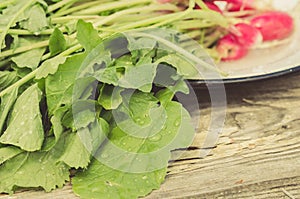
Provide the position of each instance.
(257, 155)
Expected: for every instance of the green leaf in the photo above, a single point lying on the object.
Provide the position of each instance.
(7, 101)
(140, 47)
(80, 115)
(131, 166)
(100, 181)
(176, 132)
(29, 59)
(87, 36)
(98, 134)
(139, 74)
(165, 96)
(7, 78)
(57, 128)
(85, 89)
(76, 155)
(140, 115)
(153, 150)
(21, 72)
(110, 97)
(68, 120)
(49, 67)
(121, 72)
(175, 47)
(36, 169)
(57, 42)
(11, 15)
(184, 67)
(56, 122)
(98, 65)
(8, 152)
(99, 58)
(167, 77)
(36, 19)
(59, 87)
(25, 128)
(83, 112)
(139, 77)
(107, 75)
(83, 144)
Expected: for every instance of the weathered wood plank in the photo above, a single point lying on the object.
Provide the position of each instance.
(257, 156)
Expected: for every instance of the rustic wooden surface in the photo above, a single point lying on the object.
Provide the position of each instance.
(257, 155)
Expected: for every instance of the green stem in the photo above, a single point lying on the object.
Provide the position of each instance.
(64, 8)
(19, 83)
(202, 37)
(145, 22)
(201, 4)
(60, 4)
(122, 13)
(171, 19)
(12, 21)
(192, 24)
(211, 38)
(71, 50)
(65, 19)
(238, 14)
(46, 56)
(65, 53)
(130, 18)
(77, 8)
(112, 5)
(192, 4)
(24, 49)
(193, 34)
(26, 32)
(207, 15)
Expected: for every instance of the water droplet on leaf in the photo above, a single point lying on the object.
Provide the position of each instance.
(178, 121)
(104, 155)
(155, 138)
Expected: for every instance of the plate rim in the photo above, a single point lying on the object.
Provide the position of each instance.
(246, 78)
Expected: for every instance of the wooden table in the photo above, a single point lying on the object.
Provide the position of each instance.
(257, 155)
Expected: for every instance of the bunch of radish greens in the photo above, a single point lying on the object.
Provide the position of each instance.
(75, 80)
(78, 77)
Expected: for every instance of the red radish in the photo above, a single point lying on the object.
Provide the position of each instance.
(211, 5)
(246, 34)
(230, 49)
(237, 5)
(273, 25)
